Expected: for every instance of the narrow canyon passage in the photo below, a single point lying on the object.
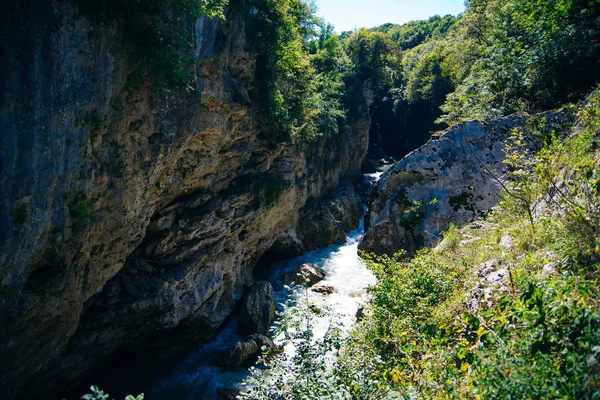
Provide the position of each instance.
(198, 375)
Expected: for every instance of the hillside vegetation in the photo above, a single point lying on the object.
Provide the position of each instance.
(503, 308)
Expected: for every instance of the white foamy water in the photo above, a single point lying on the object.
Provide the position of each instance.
(345, 272)
(197, 378)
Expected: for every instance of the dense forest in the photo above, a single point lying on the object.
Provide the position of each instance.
(495, 59)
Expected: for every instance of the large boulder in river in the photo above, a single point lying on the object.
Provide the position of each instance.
(453, 179)
(228, 393)
(305, 274)
(251, 348)
(258, 309)
(323, 289)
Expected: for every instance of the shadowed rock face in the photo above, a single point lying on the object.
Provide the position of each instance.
(441, 183)
(132, 215)
(258, 309)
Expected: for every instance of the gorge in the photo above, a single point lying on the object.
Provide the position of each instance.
(162, 164)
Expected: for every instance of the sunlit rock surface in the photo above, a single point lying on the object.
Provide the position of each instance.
(453, 179)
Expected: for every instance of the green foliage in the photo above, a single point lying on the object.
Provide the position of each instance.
(332, 66)
(81, 206)
(426, 80)
(440, 326)
(510, 56)
(451, 239)
(413, 215)
(376, 57)
(21, 214)
(415, 33)
(92, 120)
(266, 188)
(300, 67)
(538, 335)
(499, 57)
(97, 394)
(407, 67)
(306, 369)
(462, 200)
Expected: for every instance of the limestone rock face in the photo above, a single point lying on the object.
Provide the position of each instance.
(440, 183)
(323, 221)
(258, 309)
(494, 280)
(131, 215)
(305, 274)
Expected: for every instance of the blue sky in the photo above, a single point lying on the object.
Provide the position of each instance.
(346, 15)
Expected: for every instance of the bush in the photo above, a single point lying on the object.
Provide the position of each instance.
(81, 206)
(97, 394)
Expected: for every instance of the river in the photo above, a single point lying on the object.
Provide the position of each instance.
(197, 378)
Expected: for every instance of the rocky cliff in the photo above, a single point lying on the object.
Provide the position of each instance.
(453, 179)
(132, 215)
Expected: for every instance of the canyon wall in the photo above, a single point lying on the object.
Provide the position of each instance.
(131, 214)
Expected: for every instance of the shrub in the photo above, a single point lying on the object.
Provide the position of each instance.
(21, 214)
(442, 325)
(81, 206)
(451, 238)
(97, 394)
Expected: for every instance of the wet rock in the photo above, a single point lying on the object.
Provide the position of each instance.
(241, 352)
(323, 289)
(306, 274)
(252, 347)
(258, 309)
(360, 313)
(262, 341)
(228, 393)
